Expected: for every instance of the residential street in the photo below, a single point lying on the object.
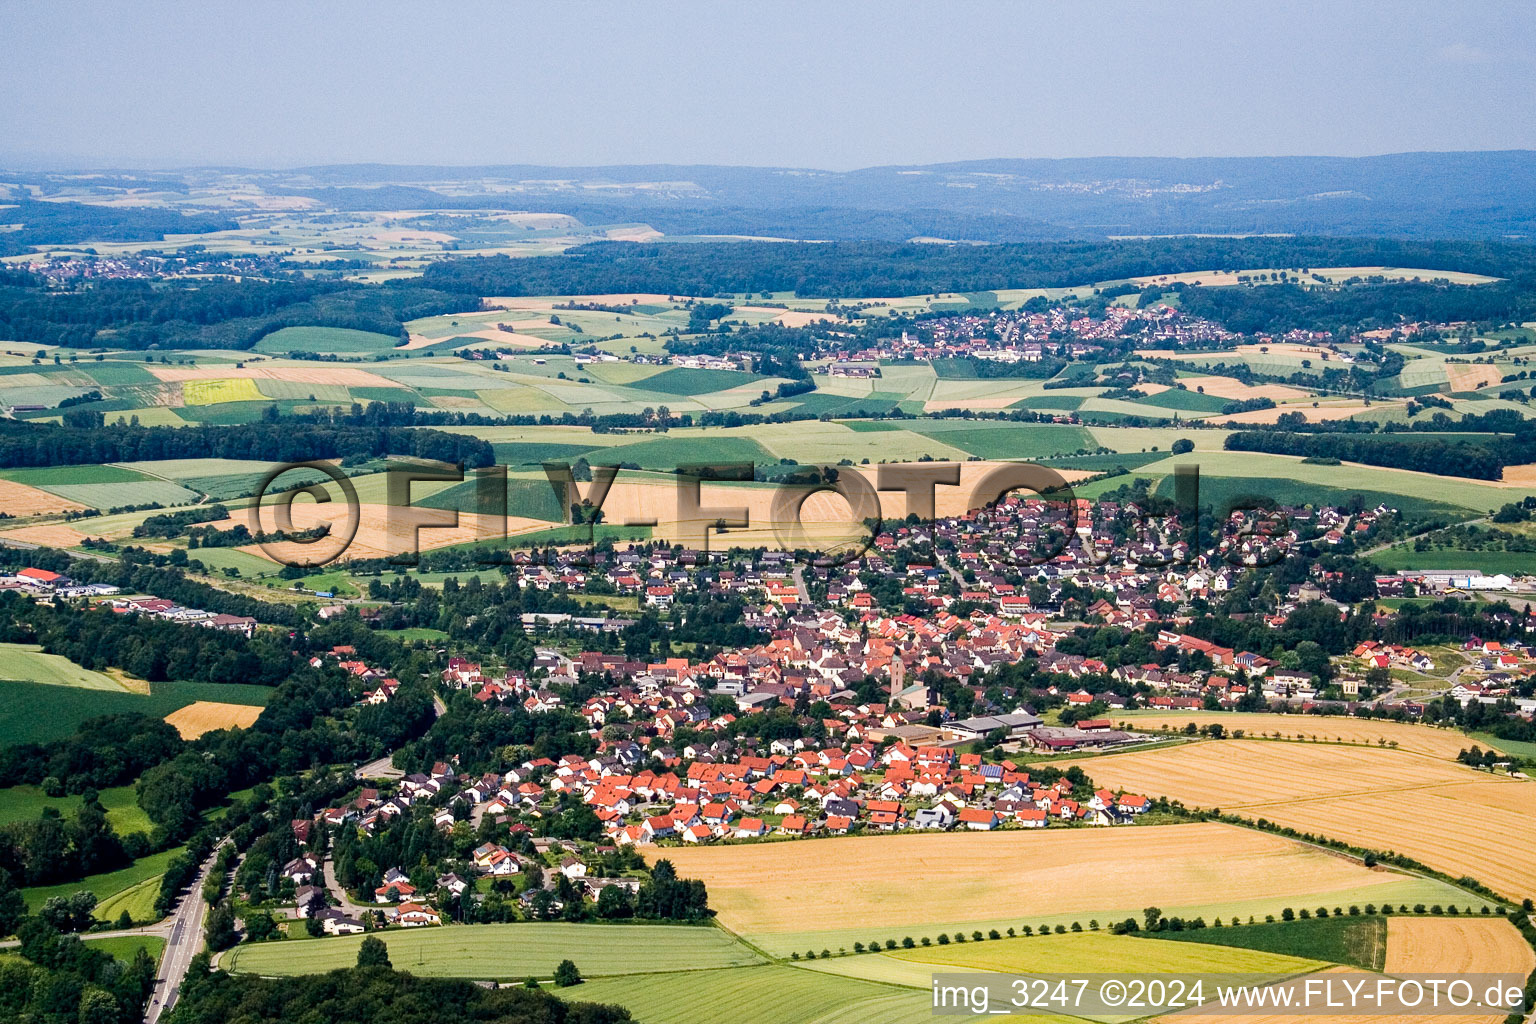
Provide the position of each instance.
(336, 890)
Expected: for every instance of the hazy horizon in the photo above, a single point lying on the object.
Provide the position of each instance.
(836, 88)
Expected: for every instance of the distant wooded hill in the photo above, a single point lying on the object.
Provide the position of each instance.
(1422, 195)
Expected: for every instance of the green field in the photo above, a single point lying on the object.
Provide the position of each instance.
(27, 663)
(527, 453)
(1516, 747)
(325, 340)
(40, 712)
(1185, 401)
(511, 951)
(138, 901)
(24, 803)
(124, 947)
(54, 476)
(1513, 563)
(117, 495)
(107, 885)
(760, 995)
(1355, 941)
(683, 381)
(1007, 440)
(115, 374)
(1409, 890)
(1100, 951)
(667, 453)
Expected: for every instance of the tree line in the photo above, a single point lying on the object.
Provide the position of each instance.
(276, 439)
(229, 314)
(1454, 458)
(847, 269)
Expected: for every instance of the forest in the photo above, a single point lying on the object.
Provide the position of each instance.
(1454, 458)
(176, 314)
(1277, 308)
(59, 223)
(377, 994)
(850, 269)
(275, 439)
(143, 646)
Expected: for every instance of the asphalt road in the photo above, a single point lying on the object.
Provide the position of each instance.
(183, 943)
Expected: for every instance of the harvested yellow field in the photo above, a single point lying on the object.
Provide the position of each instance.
(1519, 476)
(20, 500)
(495, 334)
(1430, 945)
(801, 318)
(1297, 986)
(549, 301)
(1239, 774)
(825, 516)
(1470, 377)
(48, 536)
(1424, 739)
(1227, 387)
(206, 716)
(1321, 414)
(1101, 952)
(1456, 944)
(226, 389)
(345, 376)
(383, 530)
(914, 879)
(1454, 819)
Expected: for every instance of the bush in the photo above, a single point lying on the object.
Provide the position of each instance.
(566, 975)
(373, 953)
(1286, 915)
(943, 939)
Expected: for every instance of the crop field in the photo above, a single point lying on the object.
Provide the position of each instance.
(1451, 945)
(27, 663)
(1185, 401)
(55, 476)
(324, 341)
(138, 901)
(117, 495)
(1260, 471)
(1423, 739)
(106, 885)
(1354, 941)
(511, 951)
(1373, 797)
(765, 995)
(1100, 951)
(38, 712)
(216, 391)
(20, 500)
(1008, 441)
(821, 886)
(24, 803)
(124, 947)
(205, 716)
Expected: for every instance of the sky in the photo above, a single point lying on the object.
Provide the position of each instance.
(825, 85)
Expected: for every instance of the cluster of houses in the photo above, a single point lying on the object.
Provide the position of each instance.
(1013, 336)
(45, 584)
(706, 793)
